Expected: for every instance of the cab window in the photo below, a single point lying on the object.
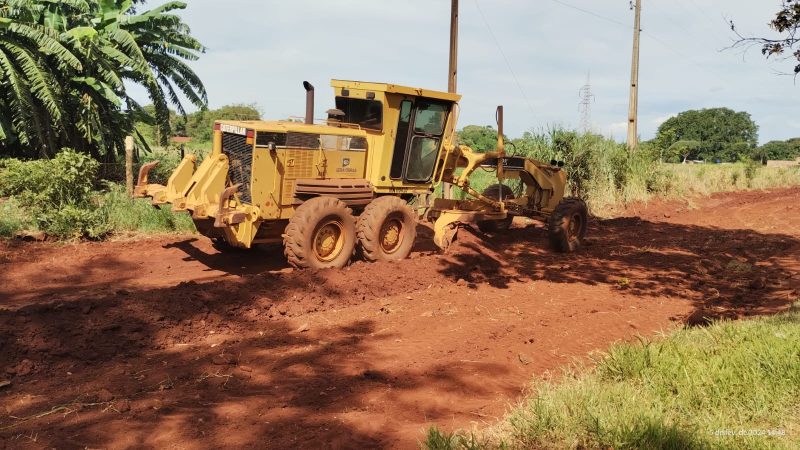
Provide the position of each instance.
(430, 118)
(364, 113)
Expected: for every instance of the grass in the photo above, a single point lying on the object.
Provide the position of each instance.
(731, 385)
(706, 179)
(125, 215)
(12, 218)
(672, 181)
(119, 215)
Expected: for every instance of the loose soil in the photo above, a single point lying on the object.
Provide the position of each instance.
(169, 343)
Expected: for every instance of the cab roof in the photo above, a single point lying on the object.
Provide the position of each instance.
(394, 89)
(286, 126)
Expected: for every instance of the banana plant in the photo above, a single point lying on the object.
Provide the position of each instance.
(66, 66)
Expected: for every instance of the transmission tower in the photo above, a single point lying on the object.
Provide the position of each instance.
(587, 98)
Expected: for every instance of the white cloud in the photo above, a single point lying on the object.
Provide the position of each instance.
(661, 119)
(260, 51)
(618, 129)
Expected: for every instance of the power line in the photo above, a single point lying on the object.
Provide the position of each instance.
(508, 63)
(648, 34)
(702, 10)
(679, 53)
(591, 13)
(666, 15)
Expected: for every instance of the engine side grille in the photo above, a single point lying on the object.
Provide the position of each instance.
(263, 139)
(303, 140)
(240, 159)
(299, 164)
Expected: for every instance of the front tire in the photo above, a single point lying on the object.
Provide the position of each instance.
(387, 230)
(320, 235)
(567, 225)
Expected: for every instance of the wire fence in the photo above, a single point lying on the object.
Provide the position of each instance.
(170, 156)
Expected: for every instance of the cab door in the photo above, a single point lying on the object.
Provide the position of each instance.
(419, 138)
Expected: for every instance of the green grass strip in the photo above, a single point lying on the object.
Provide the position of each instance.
(732, 385)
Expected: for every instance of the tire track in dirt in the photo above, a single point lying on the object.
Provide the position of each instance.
(249, 354)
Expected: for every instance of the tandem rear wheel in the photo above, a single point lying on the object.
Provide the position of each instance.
(387, 230)
(321, 234)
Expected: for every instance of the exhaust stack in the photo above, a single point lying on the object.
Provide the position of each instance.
(309, 102)
(501, 147)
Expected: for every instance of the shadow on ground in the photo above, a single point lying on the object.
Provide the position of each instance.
(211, 364)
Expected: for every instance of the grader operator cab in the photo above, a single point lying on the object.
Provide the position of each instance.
(328, 190)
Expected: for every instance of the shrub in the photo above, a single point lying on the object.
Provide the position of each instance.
(12, 218)
(124, 214)
(57, 193)
(598, 169)
(64, 180)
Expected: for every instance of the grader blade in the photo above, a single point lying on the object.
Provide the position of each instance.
(446, 226)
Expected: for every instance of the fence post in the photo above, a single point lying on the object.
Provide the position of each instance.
(129, 164)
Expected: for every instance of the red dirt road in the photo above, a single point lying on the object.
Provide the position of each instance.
(168, 343)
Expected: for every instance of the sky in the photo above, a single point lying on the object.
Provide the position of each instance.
(532, 56)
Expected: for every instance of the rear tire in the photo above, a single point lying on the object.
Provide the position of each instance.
(493, 192)
(387, 230)
(567, 225)
(320, 235)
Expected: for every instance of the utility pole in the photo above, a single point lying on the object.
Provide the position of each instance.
(633, 111)
(129, 147)
(452, 73)
(452, 76)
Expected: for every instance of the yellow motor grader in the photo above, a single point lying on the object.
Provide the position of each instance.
(326, 191)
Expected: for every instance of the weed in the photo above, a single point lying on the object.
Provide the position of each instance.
(451, 441)
(730, 385)
(59, 197)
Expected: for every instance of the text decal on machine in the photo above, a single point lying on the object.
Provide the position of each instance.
(232, 129)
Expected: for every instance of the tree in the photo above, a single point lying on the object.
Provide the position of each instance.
(478, 138)
(722, 133)
(778, 151)
(199, 125)
(31, 58)
(683, 151)
(786, 23)
(67, 66)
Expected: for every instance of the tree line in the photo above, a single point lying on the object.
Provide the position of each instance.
(197, 125)
(710, 135)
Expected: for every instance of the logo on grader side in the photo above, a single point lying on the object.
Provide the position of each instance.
(225, 128)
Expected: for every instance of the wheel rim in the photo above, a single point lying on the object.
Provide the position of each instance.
(329, 240)
(574, 227)
(391, 235)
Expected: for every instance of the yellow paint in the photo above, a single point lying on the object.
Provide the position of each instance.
(335, 150)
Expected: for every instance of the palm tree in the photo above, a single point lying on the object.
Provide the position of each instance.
(166, 44)
(77, 56)
(147, 48)
(31, 61)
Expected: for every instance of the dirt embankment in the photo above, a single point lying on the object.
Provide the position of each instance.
(168, 343)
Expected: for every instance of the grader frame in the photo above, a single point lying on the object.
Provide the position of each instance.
(326, 190)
